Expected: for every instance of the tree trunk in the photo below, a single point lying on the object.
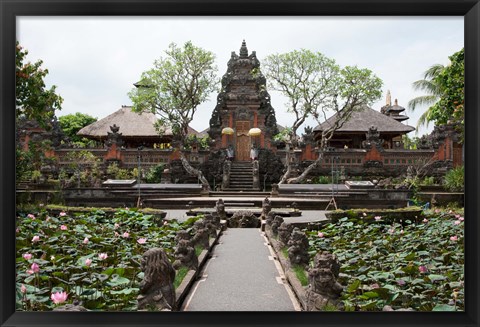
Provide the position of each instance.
(307, 171)
(289, 168)
(194, 172)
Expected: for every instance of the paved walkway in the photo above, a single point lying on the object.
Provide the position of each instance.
(241, 276)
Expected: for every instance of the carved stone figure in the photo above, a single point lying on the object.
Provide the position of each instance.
(220, 208)
(156, 289)
(284, 231)
(114, 137)
(201, 234)
(277, 221)
(323, 288)
(184, 252)
(266, 208)
(210, 224)
(298, 248)
(269, 219)
(243, 219)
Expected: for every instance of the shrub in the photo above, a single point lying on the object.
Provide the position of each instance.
(454, 180)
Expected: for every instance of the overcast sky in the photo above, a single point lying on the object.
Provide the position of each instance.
(94, 61)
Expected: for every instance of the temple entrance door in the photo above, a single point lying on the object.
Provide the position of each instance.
(243, 141)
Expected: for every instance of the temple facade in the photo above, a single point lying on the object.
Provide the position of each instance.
(243, 117)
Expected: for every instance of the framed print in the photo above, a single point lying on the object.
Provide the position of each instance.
(388, 41)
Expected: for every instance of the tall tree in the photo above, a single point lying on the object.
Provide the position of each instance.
(33, 99)
(444, 92)
(314, 86)
(72, 123)
(173, 89)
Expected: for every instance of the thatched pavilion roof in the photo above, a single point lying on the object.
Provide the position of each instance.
(131, 124)
(362, 119)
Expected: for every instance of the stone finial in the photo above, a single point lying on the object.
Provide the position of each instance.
(243, 50)
(396, 102)
(156, 289)
(389, 98)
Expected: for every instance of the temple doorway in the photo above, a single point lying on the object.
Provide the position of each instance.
(243, 141)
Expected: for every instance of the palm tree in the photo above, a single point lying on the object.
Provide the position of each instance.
(433, 92)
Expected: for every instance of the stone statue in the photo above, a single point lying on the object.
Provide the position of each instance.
(220, 208)
(156, 289)
(201, 234)
(298, 248)
(184, 252)
(210, 224)
(284, 232)
(323, 288)
(269, 219)
(243, 219)
(266, 208)
(277, 221)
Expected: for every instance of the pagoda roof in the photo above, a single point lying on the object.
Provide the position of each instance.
(362, 119)
(132, 124)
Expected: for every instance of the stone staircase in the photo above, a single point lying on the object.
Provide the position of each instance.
(241, 177)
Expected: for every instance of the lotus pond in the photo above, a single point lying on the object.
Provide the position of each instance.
(90, 257)
(402, 265)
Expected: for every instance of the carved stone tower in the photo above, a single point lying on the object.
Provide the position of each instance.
(243, 104)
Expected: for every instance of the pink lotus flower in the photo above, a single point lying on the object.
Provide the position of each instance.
(17, 230)
(126, 208)
(34, 269)
(425, 220)
(48, 218)
(142, 241)
(401, 282)
(125, 235)
(364, 214)
(454, 238)
(391, 230)
(62, 214)
(85, 240)
(31, 216)
(320, 234)
(102, 256)
(116, 234)
(437, 210)
(457, 216)
(165, 223)
(27, 256)
(422, 269)
(401, 232)
(36, 238)
(375, 285)
(116, 226)
(88, 262)
(23, 289)
(457, 222)
(461, 218)
(377, 218)
(63, 227)
(59, 297)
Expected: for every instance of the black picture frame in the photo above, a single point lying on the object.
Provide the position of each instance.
(470, 9)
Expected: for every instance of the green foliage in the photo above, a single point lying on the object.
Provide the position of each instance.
(181, 273)
(322, 180)
(111, 284)
(176, 85)
(410, 143)
(85, 167)
(33, 100)
(444, 87)
(115, 172)
(72, 123)
(202, 143)
(454, 179)
(300, 274)
(418, 265)
(154, 174)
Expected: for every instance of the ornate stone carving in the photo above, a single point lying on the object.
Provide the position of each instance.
(269, 219)
(201, 234)
(156, 289)
(373, 139)
(323, 288)
(184, 252)
(284, 232)
(243, 219)
(266, 208)
(114, 137)
(211, 225)
(220, 209)
(277, 221)
(298, 248)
